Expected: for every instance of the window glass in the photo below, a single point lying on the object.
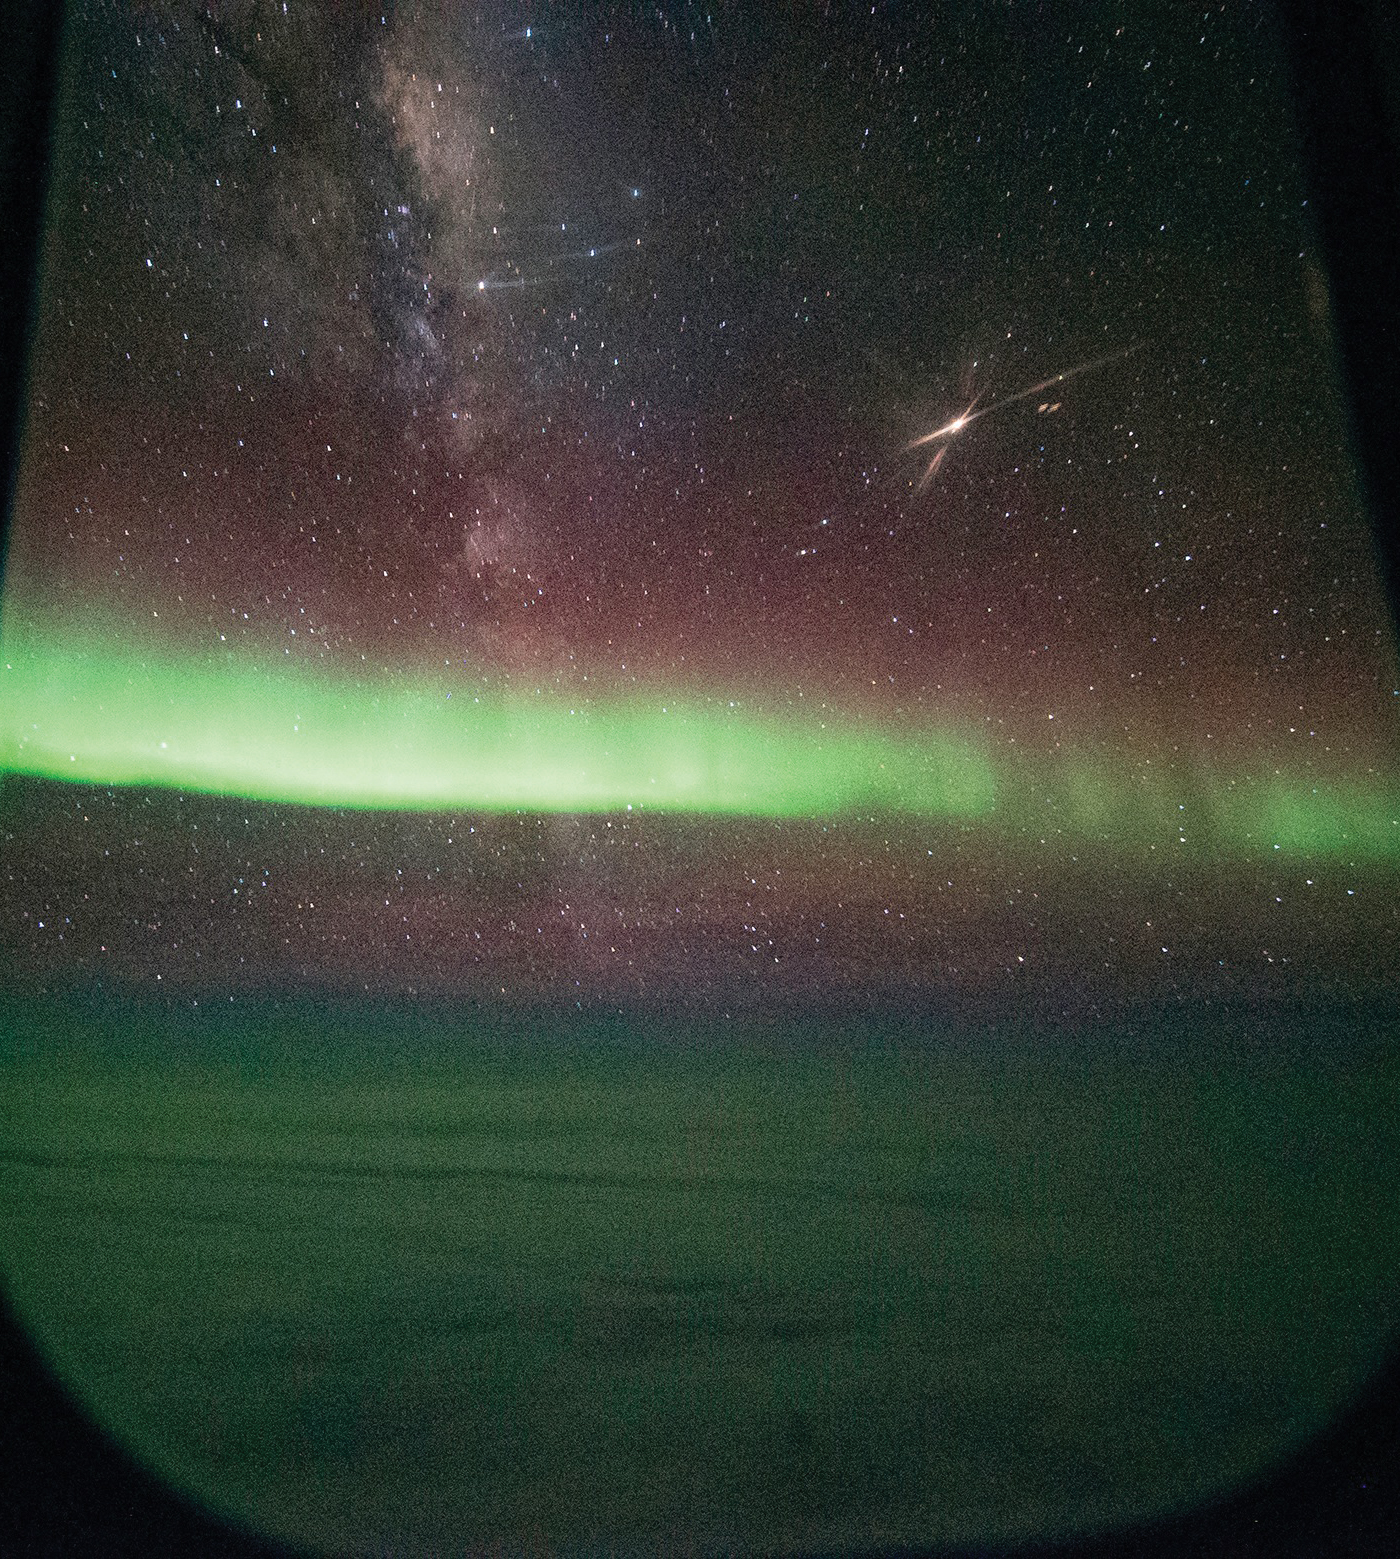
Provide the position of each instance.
(700, 825)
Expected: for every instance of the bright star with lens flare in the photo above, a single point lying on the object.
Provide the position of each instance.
(951, 429)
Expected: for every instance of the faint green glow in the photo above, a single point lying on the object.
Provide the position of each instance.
(1194, 808)
(1335, 820)
(100, 714)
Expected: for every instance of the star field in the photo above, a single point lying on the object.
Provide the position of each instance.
(676, 502)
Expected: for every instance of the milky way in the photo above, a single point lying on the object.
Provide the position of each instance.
(445, 415)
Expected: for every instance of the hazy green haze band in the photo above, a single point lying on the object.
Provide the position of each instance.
(97, 713)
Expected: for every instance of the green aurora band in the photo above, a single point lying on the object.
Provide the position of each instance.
(99, 716)
(101, 712)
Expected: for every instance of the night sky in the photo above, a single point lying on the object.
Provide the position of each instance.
(472, 533)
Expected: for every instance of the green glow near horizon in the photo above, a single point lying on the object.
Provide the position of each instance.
(105, 713)
(1332, 820)
(77, 712)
